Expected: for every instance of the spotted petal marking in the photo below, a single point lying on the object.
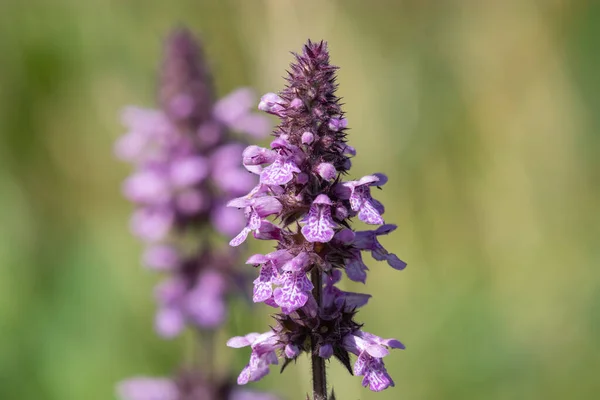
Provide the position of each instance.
(263, 285)
(361, 201)
(375, 375)
(252, 224)
(294, 291)
(319, 226)
(279, 173)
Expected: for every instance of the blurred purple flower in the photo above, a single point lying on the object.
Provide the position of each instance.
(187, 166)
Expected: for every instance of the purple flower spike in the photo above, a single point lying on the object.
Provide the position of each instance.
(187, 167)
(319, 224)
(311, 221)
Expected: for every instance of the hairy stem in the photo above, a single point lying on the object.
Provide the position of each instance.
(318, 363)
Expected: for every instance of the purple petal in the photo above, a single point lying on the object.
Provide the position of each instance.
(257, 126)
(257, 259)
(294, 292)
(377, 350)
(298, 263)
(291, 351)
(369, 179)
(263, 287)
(161, 257)
(191, 202)
(228, 221)
(319, 224)
(279, 173)
(242, 341)
(147, 187)
(188, 171)
(356, 270)
(238, 394)
(336, 124)
(394, 262)
(169, 322)
(345, 236)
(322, 199)
(382, 179)
(255, 155)
(142, 388)
(152, 224)
(326, 171)
(207, 310)
(369, 337)
(375, 374)
(240, 238)
(326, 351)
(267, 231)
(369, 214)
(307, 137)
(233, 106)
(355, 300)
(266, 205)
(280, 257)
(131, 146)
(385, 229)
(209, 133)
(271, 103)
(253, 223)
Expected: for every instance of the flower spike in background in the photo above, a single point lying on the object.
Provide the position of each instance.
(187, 167)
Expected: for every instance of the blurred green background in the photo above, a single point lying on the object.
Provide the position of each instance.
(484, 114)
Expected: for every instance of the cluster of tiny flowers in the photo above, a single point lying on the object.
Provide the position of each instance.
(186, 170)
(310, 209)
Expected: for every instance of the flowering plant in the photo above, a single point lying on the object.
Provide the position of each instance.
(301, 187)
(186, 169)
